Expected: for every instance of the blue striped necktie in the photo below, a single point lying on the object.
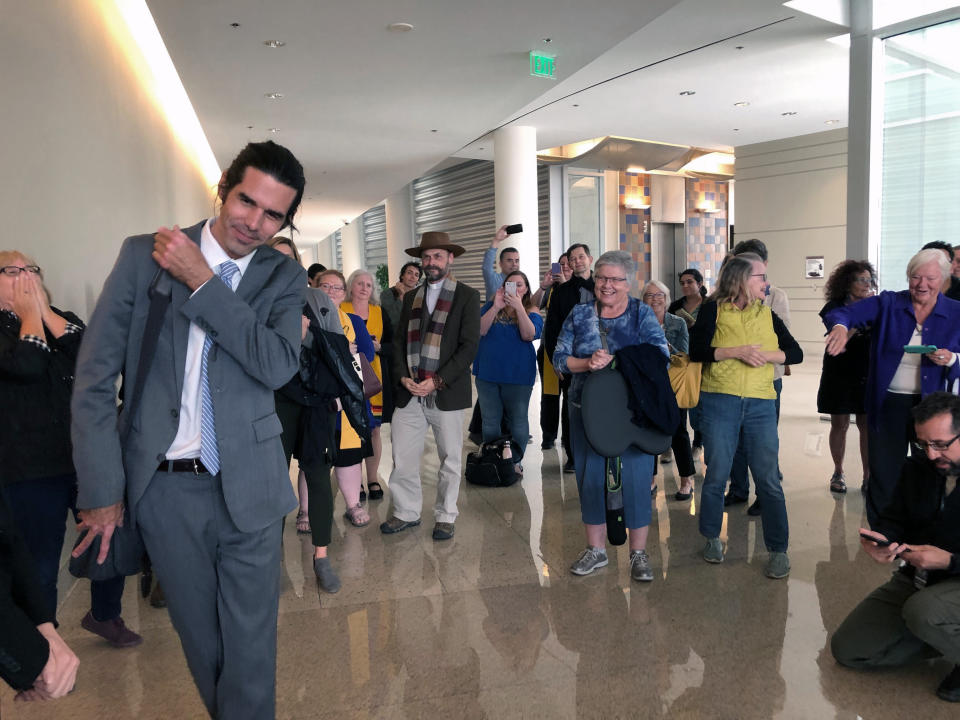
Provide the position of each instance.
(209, 452)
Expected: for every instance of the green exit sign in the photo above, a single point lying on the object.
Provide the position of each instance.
(542, 65)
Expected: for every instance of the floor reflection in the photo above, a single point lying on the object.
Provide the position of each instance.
(492, 625)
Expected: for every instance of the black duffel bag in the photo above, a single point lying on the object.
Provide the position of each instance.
(488, 466)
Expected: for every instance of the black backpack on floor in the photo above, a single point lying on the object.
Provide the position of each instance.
(488, 467)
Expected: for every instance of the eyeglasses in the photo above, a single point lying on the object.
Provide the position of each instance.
(762, 276)
(14, 270)
(328, 287)
(601, 279)
(934, 444)
(863, 281)
(653, 296)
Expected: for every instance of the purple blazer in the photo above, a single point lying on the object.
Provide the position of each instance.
(893, 324)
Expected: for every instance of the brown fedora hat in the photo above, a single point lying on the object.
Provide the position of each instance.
(432, 241)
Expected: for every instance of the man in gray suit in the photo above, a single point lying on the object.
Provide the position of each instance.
(198, 461)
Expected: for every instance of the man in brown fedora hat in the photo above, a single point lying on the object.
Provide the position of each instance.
(436, 340)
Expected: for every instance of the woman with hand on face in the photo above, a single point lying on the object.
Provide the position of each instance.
(625, 322)
(738, 339)
(656, 295)
(38, 354)
(506, 363)
(362, 300)
(391, 300)
(351, 449)
(843, 382)
(914, 342)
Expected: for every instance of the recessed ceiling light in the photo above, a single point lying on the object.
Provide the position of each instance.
(831, 122)
(400, 27)
(742, 103)
(739, 47)
(736, 129)
(274, 43)
(273, 96)
(548, 40)
(575, 105)
(787, 114)
(688, 92)
(273, 130)
(249, 127)
(479, 148)
(433, 131)
(234, 25)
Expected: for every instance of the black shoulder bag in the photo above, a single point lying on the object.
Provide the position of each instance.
(126, 552)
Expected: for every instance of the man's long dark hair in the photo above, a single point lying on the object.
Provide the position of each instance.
(274, 160)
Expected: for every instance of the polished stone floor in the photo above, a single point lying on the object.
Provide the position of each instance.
(492, 624)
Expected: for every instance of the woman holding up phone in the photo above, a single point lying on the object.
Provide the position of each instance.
(506, 363)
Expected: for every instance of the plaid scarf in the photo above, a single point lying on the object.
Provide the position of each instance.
(423, 344)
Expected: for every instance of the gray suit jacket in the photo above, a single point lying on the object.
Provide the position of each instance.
(256, 333)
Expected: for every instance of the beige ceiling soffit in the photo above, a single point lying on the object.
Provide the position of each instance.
(633, 155)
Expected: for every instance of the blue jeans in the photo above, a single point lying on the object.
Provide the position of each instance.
(727, 421)
(591, 469)
(739, 483)
(40, 508)
(509, 401)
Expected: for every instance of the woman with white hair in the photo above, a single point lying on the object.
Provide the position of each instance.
(625, 321)
(363, 300)
(657, 296)
(913, 352)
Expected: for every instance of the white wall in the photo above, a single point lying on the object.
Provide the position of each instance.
(87, 157)
(792, 195)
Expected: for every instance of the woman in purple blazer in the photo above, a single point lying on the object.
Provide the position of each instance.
(897, 379)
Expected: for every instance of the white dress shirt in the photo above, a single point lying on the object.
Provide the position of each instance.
(187, 442)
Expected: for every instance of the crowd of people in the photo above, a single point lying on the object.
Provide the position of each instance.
(256, 362)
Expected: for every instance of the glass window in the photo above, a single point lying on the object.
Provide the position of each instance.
(921, 145)
(585, 204)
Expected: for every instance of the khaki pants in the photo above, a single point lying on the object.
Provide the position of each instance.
(897, 624)
(408, 431)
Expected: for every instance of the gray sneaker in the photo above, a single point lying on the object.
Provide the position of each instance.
(778, 566)
(640, 566)
(713, 551)
(590, 559)
(327, 579)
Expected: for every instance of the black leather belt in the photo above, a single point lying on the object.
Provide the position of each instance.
(188, 465)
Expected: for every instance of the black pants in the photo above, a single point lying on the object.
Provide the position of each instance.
(551, 417)
(40, 510)
(682, 453)
(317, 472)
(889, 437)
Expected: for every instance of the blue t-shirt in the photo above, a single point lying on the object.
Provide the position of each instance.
(503, 356)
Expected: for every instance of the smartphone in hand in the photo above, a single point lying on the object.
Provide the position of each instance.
(878, 541)
(556, 269)
(514, 229)
(509, 288)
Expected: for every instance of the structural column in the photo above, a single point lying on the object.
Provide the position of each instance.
(515, 193)
(351, 246)
(863, 150)
(399, 216)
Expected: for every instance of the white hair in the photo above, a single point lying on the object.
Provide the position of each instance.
(928, 256)
(374, 294)
(660, 286)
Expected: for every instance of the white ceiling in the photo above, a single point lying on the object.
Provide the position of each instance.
(360, 103)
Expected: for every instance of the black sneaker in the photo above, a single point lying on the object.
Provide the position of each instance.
(949, 689)
(755, 508)
(548, 444)
(568, 466)
(731, 499)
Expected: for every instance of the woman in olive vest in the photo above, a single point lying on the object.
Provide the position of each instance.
(738, 339)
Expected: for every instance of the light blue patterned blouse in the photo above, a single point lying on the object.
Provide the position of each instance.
(580, 336)
(677, 334)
